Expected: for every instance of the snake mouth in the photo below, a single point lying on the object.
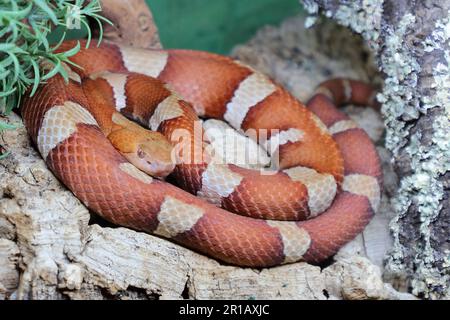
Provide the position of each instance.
(160, 169)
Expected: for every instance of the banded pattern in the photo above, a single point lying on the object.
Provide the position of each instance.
(328, 181)
(252, 90)
(59, 123)
(218, 182)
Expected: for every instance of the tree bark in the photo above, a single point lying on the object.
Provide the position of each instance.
(410, 40)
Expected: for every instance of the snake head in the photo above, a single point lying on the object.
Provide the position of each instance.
(147, 150)
(153, 158)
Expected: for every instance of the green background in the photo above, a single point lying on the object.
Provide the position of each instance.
(210, 25)
(216, 25)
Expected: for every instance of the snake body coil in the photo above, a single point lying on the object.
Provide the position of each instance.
(324, 193)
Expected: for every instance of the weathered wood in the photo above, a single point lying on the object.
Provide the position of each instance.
(9, 275)
(133, 23)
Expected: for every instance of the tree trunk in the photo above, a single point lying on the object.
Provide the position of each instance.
(411, 43)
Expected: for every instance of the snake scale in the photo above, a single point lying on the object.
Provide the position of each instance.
(323, 192)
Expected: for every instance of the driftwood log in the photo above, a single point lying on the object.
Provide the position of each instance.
(411, 42)
(51, 247)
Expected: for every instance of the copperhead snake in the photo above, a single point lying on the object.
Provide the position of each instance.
(325, 189)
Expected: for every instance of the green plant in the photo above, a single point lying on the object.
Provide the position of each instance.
(25, 26)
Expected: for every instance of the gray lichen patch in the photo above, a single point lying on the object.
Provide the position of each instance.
(361, 16)
(428, 152)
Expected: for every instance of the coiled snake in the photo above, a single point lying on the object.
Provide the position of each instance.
(324, 191)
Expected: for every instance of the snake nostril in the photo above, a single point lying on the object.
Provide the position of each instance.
(141, 154)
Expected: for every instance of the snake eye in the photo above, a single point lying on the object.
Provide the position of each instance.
(141, 154)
